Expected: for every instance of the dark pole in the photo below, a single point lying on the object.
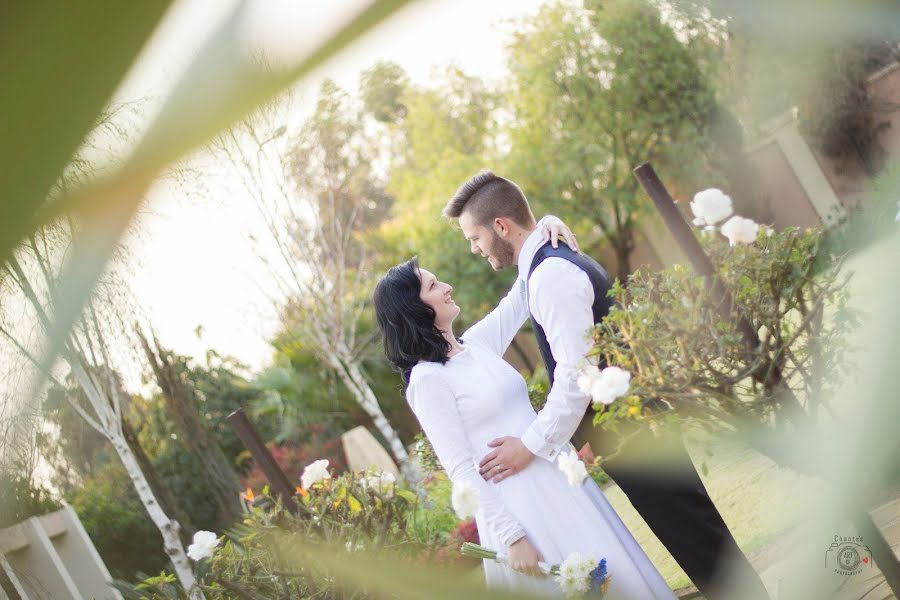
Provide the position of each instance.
(277, 479)
(686, 239)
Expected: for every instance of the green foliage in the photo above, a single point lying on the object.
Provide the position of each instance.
(219, 387)
(669, 333)
(446, 136)
(596, 90)
(21, 497)
(347, 513)
(381, 88)
(115, 519)
(75, 450)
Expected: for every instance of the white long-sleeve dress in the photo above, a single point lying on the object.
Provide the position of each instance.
(476, 397)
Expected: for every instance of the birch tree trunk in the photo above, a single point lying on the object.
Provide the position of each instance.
(158, 485)
(168, 528)
(352, 377)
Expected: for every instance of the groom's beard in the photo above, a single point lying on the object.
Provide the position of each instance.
(502, 253)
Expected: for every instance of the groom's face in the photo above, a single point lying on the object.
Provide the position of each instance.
(487, 242)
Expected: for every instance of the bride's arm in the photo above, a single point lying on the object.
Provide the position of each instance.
(434, 405)
(497, 329)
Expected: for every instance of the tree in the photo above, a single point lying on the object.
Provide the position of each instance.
(181, 400)
(597, 89)
(33, 272)
(78, 453)
(439, 137)
(318, 192)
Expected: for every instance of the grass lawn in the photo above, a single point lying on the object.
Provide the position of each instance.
(757, 499)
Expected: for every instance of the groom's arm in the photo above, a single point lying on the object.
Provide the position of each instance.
(561, 298)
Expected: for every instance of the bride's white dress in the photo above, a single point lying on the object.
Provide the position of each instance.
(476, 397)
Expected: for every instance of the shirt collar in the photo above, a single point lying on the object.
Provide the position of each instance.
(532, 243)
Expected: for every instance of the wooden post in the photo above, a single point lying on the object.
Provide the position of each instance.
(686, 239)
(277, 479)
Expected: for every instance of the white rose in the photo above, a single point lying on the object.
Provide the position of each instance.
(739, 230)
(617, 382)
(572, 466)
(606, 385)
(586, 379)
(382, 482)
(314, 473)
(465, 499)
(710, 206)
(203, 546)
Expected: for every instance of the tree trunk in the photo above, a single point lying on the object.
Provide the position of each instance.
(623, 249)
(158, 486)
(220, 475)
(169, 528)
(352, 377)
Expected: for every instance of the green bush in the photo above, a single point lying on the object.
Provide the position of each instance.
(115, 519)
(266, 555)
(682, 344)
(21, 498)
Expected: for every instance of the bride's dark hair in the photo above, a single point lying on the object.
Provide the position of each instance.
(406, 323)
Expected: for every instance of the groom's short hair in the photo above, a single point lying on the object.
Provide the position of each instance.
(487, 196)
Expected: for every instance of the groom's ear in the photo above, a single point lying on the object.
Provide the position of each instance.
(501, 226)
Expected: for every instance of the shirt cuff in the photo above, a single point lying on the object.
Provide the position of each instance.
(538, 445)
(514, 537)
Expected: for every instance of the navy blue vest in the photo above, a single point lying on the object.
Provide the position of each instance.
(599, 280)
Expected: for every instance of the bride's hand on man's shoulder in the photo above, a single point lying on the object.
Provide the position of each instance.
(553, 227)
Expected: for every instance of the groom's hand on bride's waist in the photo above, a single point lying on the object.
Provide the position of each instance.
(508, 457)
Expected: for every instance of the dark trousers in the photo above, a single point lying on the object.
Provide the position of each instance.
(671, 498)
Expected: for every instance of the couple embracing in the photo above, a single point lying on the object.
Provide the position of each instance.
(474, 409)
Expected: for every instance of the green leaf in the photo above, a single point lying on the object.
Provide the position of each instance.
(60, 63)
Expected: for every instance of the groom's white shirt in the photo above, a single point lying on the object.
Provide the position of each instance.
(560, 297)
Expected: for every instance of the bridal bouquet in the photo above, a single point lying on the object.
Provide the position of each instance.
(578, 576)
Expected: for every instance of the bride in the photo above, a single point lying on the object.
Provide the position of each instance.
(464, 395)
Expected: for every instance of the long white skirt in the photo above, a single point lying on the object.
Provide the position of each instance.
(560, 519)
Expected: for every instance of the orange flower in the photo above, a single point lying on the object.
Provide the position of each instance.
(301, 491)
(248, 495)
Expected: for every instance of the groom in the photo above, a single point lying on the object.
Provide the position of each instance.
(567, 295)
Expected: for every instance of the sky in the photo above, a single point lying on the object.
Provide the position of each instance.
(197, 268)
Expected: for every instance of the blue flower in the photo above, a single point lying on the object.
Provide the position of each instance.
(598, 577)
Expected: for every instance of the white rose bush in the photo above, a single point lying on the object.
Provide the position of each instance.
(676, 350)
(363, 516)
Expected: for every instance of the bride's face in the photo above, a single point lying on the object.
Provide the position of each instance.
(436, 294)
